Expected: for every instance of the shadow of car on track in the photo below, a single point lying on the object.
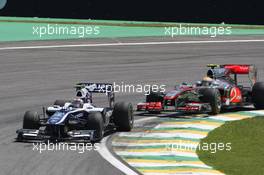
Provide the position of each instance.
(173, 114)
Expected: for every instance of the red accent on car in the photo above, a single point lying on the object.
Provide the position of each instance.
(235, 95)
(141, 106)
(154, 106)
(237, 68)
(170, 97)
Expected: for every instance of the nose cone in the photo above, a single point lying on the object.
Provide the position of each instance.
(56, 117)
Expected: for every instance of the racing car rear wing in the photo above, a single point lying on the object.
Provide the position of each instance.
(95, 87)
(239, 68)
(106, 88)
(235, 68)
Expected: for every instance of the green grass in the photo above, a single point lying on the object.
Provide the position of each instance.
(247, 142)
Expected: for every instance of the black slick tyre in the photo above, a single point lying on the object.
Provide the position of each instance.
(213, 97)
(31, 120)
(123, 116)
(258, 95)
(95, 122)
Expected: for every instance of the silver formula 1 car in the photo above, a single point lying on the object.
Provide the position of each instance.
(220, 89)
(78, 119)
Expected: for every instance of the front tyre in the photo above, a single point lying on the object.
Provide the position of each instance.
(213, 97)
(95, 122)
(31, 120)
(258, 95)
(123, 116)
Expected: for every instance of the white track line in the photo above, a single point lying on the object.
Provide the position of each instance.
(129, 44)
(107, 155)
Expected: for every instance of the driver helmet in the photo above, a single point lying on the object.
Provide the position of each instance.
(210, 73)
(77, 103)
(84, 94)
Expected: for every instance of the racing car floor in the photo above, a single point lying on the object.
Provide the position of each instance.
(35, 77)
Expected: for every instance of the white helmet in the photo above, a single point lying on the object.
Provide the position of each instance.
(77, 103)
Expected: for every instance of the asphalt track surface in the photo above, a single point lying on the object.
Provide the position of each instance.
(32, 78)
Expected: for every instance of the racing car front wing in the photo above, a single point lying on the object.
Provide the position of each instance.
(188, 107)
(40, 135)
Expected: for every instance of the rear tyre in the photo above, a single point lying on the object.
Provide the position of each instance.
(123, 116)
(258, 95)
(213, 97)
(95, 122)
(31, 120)
(60, 103)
